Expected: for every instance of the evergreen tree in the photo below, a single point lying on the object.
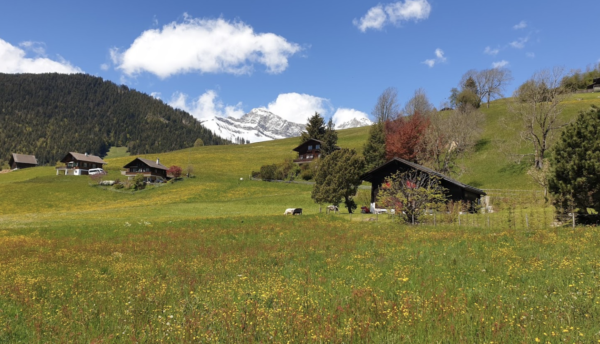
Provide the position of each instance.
(338, 177)
(374, 148)
(329, 140)
(315, 129)
(575, 181)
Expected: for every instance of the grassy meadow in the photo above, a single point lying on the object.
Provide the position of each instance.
(212, 259)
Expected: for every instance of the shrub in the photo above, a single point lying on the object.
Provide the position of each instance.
(268, 172)
(307, 174)
(119, 186)
(138, 182)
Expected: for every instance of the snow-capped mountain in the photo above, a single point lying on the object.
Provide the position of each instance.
(257, 125)
(354, 123)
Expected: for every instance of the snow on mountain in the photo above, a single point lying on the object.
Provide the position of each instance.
(256, 126)
(354, 123)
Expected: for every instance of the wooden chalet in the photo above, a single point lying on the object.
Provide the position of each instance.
(77, 164)
(151, 170)
(308, 151)
(19, 161)
(456, 191)
(595, 86)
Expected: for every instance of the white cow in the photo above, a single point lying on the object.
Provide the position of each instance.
(289, 211)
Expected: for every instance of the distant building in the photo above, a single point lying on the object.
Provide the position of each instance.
(309, 150)
(456, 191)
(595, 86)
(151, 170)
(77, 164)
(19, 161)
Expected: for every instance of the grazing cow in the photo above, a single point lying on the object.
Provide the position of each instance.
(293, 211)
(332, 208)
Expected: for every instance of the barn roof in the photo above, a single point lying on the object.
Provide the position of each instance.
(149, 163)
(24, 159)
(371, 175)
(85, 157)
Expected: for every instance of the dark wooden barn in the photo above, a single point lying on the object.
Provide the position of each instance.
(19, 161)
(456, 191)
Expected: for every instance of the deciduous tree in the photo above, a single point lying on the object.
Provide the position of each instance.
(538, 104)
(387, 106)
(175, 171)
(403, 136)
(411, 193)
(419, 103)
(449, 136)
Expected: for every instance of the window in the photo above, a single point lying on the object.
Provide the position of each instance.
(310, 147)
(85, 164)
(318, 147)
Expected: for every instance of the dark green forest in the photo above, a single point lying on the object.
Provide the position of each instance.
(49, 115)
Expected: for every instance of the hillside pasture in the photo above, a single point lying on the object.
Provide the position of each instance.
(213, 259)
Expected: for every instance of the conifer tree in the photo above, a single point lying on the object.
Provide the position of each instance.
(374, 148)
(315, 128)
(329, 140)
(575, 181)
(338, 177)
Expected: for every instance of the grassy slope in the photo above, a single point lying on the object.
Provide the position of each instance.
(38, 195)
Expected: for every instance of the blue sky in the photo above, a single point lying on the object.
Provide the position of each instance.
(295, 57)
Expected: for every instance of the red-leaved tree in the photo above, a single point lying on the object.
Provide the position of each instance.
(175, 171)
(403, 136)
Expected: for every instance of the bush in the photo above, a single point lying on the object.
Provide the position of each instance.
(267, 172)
(138, 182)
(255, 175)
(119, 186)
(307, 174)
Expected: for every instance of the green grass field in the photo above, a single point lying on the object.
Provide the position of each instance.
(212, 259)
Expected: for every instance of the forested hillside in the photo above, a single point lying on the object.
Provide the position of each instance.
(49, 115)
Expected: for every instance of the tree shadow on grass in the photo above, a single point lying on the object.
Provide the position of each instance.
(515, 169)
(482, 144)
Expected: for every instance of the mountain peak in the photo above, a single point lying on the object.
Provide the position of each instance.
(257, 125)
(354, 123)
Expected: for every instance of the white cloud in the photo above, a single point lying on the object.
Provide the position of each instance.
(342, 115)
(500, 64)
(206, 106)
(395, 13)
(39, 48)
(296, 107)
(439, 58)
(14, 60)
(530, 55)
(519, 43)
(205, 46)
(155, 95)
(104, 66)
(374, 19)
(491, 51)
(521, 25)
